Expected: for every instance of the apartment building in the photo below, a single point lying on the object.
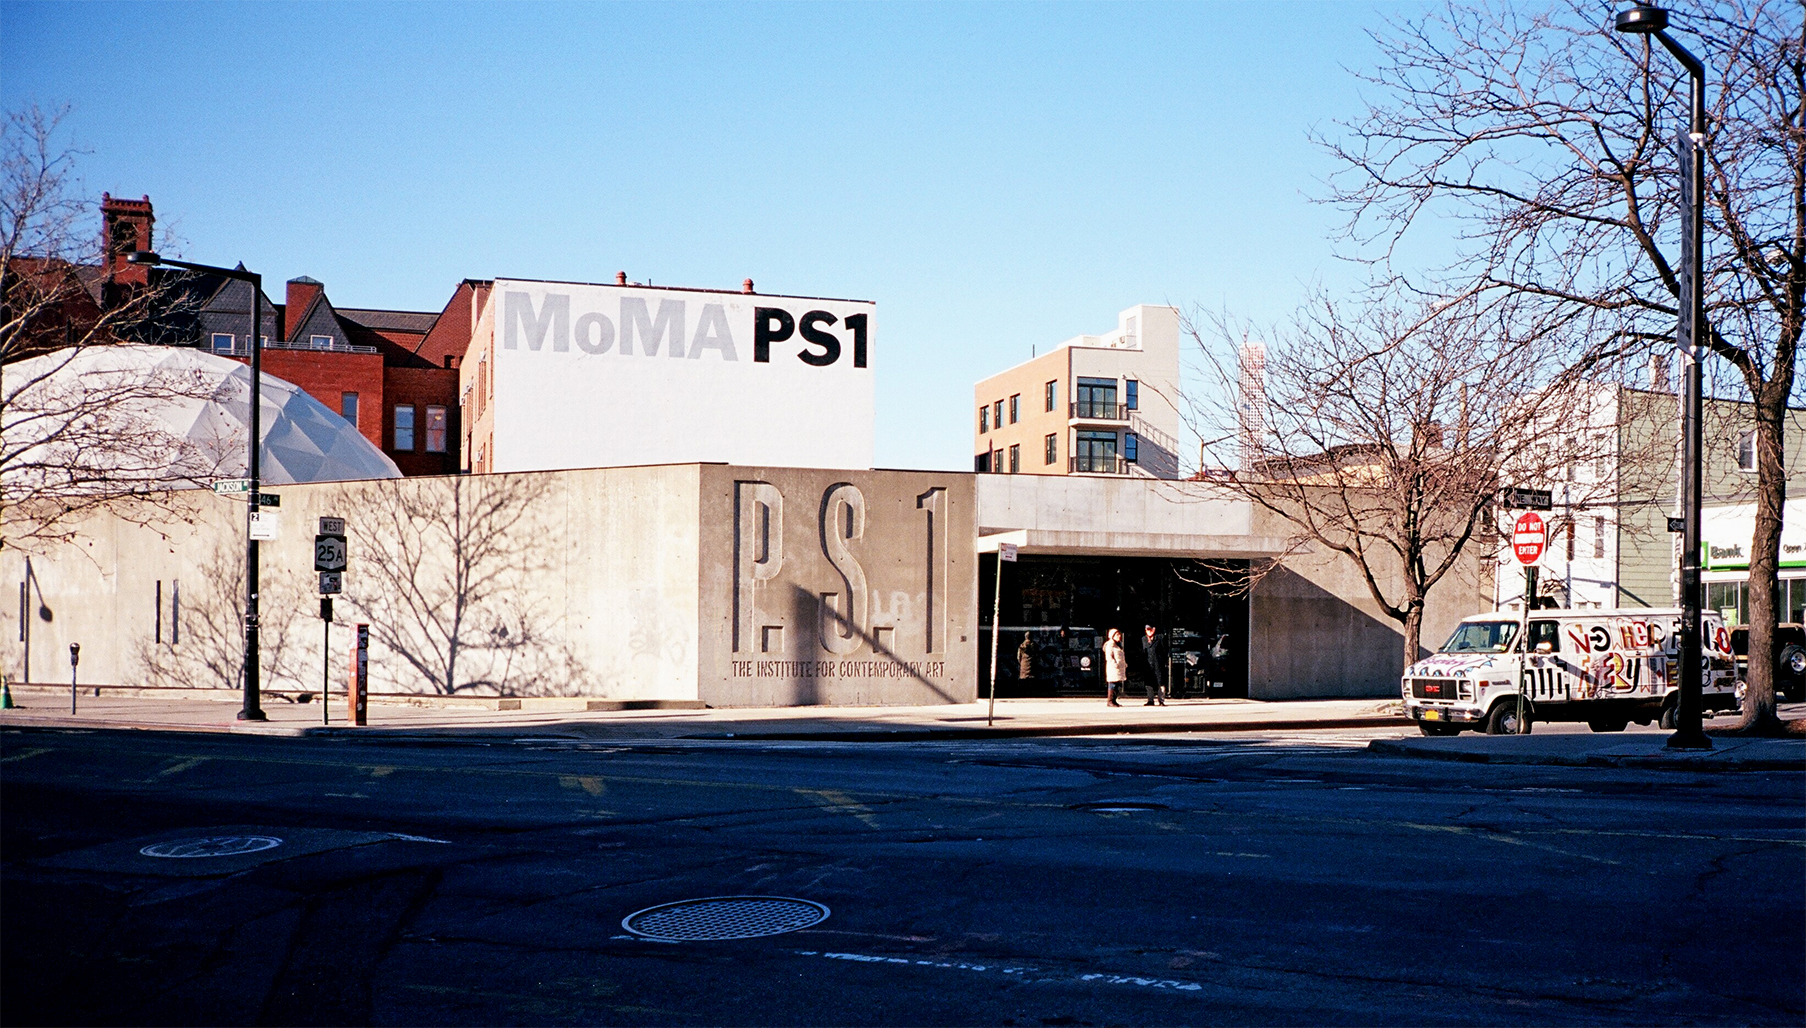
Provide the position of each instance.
(1103, 404)
(1608, 540)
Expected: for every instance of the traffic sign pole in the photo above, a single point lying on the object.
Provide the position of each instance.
(1529, 537)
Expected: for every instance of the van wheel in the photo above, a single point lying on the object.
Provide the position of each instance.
(1669, 716)
(1611, 725)
(1429, 728)
(1504, 720)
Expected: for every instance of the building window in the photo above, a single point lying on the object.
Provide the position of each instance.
(997, 414)
(348, 406)
(1053, 448)
(981, 463)
(1015, 458)
(984, 419)
(1095, 452)
(222, 342)
(1131, 446)
(404, 426)
(1598, 537)
(435, 429)
(1015, 403)
(320, 342)
(1131, 395)
(1050, 395)
(1746, 451)
(1097, 399)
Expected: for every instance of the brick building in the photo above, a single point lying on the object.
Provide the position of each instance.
(383, 370)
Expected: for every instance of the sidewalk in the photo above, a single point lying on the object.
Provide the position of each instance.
(1015, 718)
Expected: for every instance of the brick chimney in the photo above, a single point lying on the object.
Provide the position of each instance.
(301, 293)
(125, 227)
(746, 286)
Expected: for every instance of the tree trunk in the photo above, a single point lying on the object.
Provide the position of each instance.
(1413, 631)
(1759, 714)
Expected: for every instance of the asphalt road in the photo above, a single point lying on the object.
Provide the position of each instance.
(1245, 879)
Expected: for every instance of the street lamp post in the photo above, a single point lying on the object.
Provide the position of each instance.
(253, 706)
(1653, 21)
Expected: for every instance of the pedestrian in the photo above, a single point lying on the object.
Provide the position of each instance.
(1025, 659)
(1116, 666)
(1153, 653)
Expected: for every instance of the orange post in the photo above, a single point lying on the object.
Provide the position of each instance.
(357, 691)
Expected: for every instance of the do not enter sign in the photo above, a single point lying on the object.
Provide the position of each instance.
(1528, 537)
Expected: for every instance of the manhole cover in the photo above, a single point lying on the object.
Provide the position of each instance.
(212, 846)
(724, 917)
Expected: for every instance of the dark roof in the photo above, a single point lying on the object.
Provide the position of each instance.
(394, 321)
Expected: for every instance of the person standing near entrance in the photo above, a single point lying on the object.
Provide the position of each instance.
(1025, 659)
(1153, 652)
(1116, 666)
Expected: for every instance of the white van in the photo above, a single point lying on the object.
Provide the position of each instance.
(1605, 667)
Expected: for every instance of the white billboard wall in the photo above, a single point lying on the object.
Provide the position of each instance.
(609, 376)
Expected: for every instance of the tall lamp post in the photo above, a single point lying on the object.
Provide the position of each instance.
(253, 708)
(1646, 20)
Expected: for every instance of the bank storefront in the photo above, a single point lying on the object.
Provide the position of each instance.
(1725, 564)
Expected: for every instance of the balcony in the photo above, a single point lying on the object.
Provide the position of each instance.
(1097, 464)
(1098, 410)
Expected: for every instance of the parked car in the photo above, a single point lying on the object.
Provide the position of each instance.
(1790, 658)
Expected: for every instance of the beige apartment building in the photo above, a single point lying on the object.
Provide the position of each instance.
(1093, 405)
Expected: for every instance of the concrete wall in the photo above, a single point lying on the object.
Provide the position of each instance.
(1317, 631)
(615, 583)
(782, 551)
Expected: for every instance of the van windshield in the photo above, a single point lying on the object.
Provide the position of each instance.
(1481, 637)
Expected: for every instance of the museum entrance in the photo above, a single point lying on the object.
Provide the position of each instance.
(1055, 610)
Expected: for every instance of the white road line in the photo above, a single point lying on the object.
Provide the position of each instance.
(1021, 972)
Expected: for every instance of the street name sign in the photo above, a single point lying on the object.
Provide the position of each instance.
(1519, 498)
(232, 486)
(1528, 537)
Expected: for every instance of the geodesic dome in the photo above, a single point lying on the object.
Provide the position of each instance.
(165, 417)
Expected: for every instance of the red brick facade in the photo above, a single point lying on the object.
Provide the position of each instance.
(421, 388)
(327, 376)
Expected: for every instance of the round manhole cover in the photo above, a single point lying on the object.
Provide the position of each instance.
(724, 917)
(212, 846)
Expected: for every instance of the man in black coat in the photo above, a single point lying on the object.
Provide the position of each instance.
(1153, 652)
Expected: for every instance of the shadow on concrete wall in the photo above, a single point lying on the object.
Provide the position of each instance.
(1319, 644)
(808, 611)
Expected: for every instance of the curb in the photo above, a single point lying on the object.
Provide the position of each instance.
(1397, 748)
(482, 732)
(1139, 728)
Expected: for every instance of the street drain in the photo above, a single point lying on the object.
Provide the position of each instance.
(211, 846)
(717, 918)
(1117, 807)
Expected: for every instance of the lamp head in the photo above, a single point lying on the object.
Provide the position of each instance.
(143, 257)
(1642, 19)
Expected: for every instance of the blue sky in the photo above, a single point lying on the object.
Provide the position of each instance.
(995, 176)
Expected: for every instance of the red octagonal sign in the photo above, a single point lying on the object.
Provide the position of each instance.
(1528, 537)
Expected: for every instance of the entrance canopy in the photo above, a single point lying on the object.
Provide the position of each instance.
(1123, 517)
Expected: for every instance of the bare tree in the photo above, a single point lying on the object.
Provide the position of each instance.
(445, 583)
(73, 427)
(1547, 139)
(1378, 430)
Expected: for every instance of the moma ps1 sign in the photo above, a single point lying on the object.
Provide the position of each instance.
(601, 375)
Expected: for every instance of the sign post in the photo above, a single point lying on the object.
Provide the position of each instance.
(330, 554)
(1529, 537)
(1005, 551)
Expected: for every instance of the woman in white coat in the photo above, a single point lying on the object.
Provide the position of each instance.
(1116, 666)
